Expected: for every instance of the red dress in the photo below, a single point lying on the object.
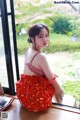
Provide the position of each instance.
(35, 92)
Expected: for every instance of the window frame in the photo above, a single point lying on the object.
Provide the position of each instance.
(7, 47)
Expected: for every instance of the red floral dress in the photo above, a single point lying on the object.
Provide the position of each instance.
(35, 92)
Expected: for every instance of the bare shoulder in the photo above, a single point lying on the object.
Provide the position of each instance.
(42, 57)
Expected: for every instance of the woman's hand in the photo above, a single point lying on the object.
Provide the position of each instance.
(55, 75)
(59, 93)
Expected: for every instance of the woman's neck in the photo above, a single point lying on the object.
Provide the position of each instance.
(39, 50)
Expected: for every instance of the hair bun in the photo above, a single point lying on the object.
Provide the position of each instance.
(29, 40)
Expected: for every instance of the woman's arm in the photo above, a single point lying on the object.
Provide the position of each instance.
(43, 63)
(48, 73)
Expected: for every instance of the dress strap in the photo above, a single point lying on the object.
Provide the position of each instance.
(34, 69)
(34, 56)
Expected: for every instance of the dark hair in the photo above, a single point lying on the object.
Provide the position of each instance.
(35, 30)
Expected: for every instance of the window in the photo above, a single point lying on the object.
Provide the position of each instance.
(62, 63)
(8, 51)
(41, 12)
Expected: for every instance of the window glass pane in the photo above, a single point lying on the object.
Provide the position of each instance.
(3, 69)
(62, 62)
(8, 6)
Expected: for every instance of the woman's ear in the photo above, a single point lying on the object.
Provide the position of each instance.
(32, 39)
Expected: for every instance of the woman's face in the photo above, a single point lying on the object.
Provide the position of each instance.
(42, 39)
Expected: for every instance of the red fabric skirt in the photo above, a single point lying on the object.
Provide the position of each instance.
(35, 92)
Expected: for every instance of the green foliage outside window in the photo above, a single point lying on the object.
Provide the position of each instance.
(61, 25)
(73, 88)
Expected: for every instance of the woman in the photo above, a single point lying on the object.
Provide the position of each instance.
(38, 84)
